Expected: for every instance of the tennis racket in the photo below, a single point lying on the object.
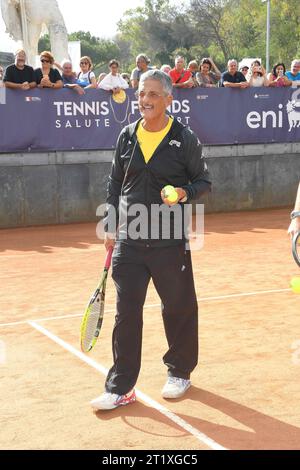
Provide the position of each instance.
(93, 315)
(296, 248)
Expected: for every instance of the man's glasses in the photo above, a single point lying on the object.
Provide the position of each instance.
(151, 94)
(45, 61)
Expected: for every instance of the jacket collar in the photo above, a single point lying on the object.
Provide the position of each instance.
(176, 128)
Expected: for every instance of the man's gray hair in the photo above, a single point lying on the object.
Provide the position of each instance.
(231, 61)
(159, 76)
(295, 62)
(66, 62)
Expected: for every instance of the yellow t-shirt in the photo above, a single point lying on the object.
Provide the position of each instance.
(149, 141)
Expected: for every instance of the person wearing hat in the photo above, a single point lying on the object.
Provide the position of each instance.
(244, 69)
(142, 66)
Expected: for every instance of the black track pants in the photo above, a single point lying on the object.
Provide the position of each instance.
(171, 271)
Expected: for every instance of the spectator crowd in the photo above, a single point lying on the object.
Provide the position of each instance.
(204, 74)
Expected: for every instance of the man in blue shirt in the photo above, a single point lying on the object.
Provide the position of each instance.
(294, 73)
(69, 77)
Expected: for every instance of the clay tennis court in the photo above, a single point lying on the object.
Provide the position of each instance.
(245, 392)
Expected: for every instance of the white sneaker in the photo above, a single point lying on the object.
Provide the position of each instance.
(109, 401)
(175, 387)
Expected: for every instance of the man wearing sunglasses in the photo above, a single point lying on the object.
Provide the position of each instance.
(19, 76)
(151, 153)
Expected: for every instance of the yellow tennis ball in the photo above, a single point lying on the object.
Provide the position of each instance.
(168, 189)
(170, 193)
(295, 285)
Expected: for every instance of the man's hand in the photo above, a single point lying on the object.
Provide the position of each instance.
(25, 86)
(189, 83)
(294, 227)
(244, 85)
(79, 90)
(181, 195)
(109, 240)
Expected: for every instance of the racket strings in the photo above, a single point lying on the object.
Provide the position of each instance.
(296, 248)
(90, 327)
(93, 316)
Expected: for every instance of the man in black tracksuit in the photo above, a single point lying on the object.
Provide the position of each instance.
(152, 153)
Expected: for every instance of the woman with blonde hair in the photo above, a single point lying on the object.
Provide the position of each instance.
(46, 76)
(258, 77)
(86, 77)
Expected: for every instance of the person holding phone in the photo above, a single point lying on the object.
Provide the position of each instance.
(277, 77)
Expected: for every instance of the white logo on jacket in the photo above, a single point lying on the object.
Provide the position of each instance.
(175, 142)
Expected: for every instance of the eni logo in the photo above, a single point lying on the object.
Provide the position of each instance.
(293, 112)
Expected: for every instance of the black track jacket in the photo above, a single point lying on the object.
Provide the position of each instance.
(177, 161)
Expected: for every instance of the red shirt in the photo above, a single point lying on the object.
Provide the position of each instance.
(176, 76)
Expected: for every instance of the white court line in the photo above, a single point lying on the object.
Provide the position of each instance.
(142, 396)
(199, 299)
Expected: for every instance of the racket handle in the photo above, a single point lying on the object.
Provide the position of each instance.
(108, 258)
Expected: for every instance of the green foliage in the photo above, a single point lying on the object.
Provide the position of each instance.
(101, 51)
(44, 44)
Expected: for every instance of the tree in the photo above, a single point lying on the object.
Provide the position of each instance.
(156, 29)
(101, 51)
(207, 16)
(222, 29)
(44, 43)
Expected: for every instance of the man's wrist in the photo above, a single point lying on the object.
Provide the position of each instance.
(183, 195)
(110, 235)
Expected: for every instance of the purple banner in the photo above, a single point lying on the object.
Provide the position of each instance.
(47, 120)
